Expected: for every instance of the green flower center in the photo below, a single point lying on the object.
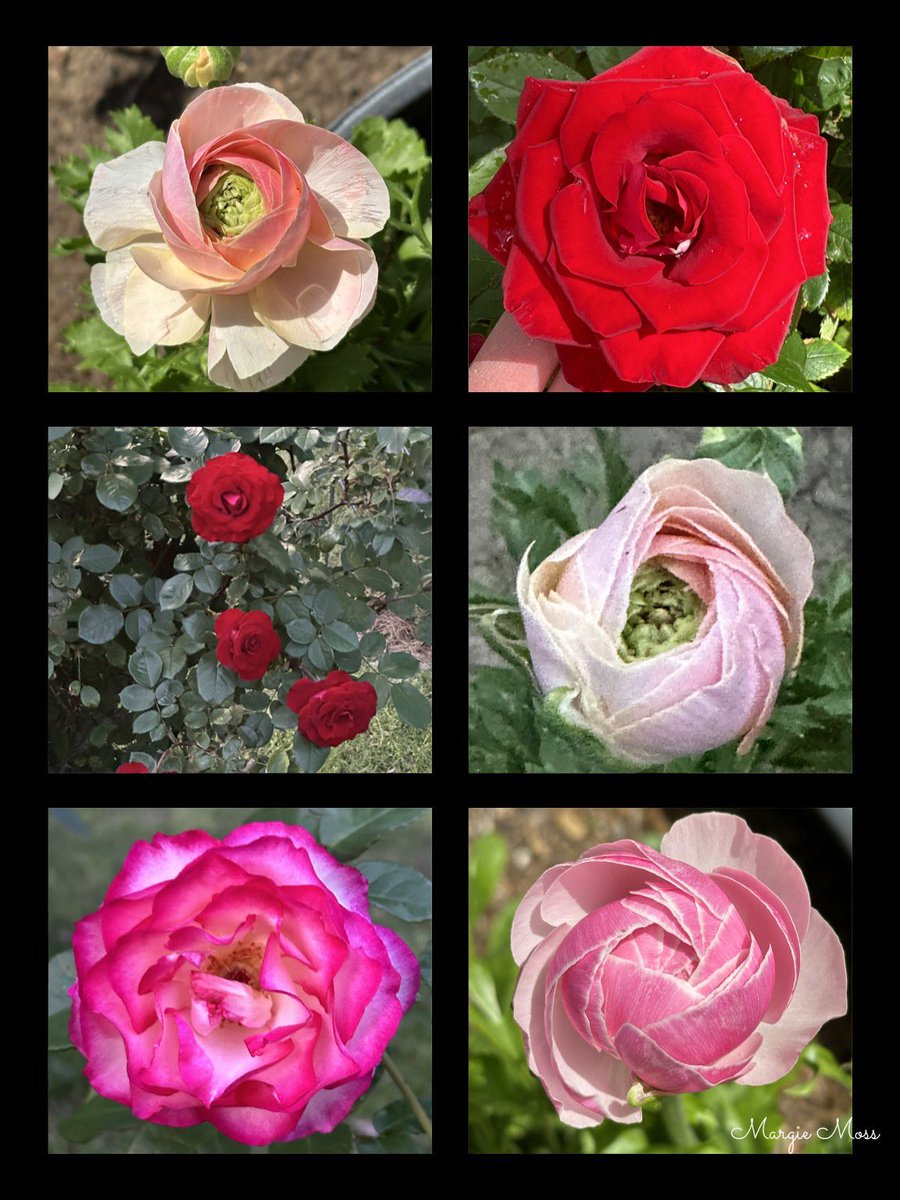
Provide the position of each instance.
(233, 205)
(663, 613)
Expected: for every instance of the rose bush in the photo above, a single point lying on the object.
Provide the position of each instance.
(677, 970)
(657, 222)
(248, 219)
(239, 982)
(668, 629)
(334, 709)
(328, 530)
(247, 642)
(233, 498)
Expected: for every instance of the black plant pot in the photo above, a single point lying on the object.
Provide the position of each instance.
(406, 94)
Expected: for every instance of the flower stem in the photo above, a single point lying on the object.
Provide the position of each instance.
(676, 1122)
(408, 1095)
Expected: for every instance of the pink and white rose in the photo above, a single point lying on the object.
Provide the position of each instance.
(248, 220)
(240, 982)
(671, 626)
(677, 970)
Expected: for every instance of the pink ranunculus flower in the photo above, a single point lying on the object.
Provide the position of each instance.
(669, 628)
(677, 970)
(247, 218)
(240, 982)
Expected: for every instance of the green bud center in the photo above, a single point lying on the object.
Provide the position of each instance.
(663, 613)
(233, 205)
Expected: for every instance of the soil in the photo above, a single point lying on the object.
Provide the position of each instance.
(87, 82)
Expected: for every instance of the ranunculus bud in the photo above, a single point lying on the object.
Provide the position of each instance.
(199, 66)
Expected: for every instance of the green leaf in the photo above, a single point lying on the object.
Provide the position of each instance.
(398, 890)
(271, 435)
(116, 491)
(145, 667)
(99, 558)
(126, 590)
(498, 81)
(484, 169)
(256, 730)
(393, 437)
(176, 592)
(392, 146)
(326, 606)
(207, 580)
(215, 683)
(301, 631)
(189, 441)
(340, 636)
(268, 545)
(347, 832)
(99, 623)
(823, 358)
(90, 697)
(320, 655)
(840, 234)
(308, 756)
(54, 432)
(136, 698)
(145, 721)
(399, 666)
(776, 451)
(411, 706)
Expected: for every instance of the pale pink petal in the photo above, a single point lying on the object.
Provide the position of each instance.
(352, 194)
(317, 302)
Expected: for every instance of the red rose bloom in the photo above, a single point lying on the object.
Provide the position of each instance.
(658, 221)
(334, 709)
(132, 769)
(247, 642)
(233, 498)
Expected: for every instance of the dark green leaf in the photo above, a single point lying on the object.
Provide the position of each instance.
(412, 707)
(99, 558)
(136, 698)
(308, 756)
(347, 832)
(99, 623)
(115, 491)
(215, 683)
(145, 667)
(401, 891)
(340, 636)
(175, 592)
(189, 441)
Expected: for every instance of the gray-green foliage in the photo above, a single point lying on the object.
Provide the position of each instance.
(134, 593)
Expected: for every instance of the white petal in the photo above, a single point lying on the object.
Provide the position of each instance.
(118, 207)
(244, 354)
(315, 303)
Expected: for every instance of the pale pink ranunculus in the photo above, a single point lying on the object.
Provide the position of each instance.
(677, 970)
(240, 982)
(738, 574)
(247, 219)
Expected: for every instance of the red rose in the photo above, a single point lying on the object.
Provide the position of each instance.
(657, 222)
(233, 498)
(132, 769)
(334, 709)
(247, 642)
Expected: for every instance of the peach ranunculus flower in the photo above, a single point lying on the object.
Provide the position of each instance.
(248, 218)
